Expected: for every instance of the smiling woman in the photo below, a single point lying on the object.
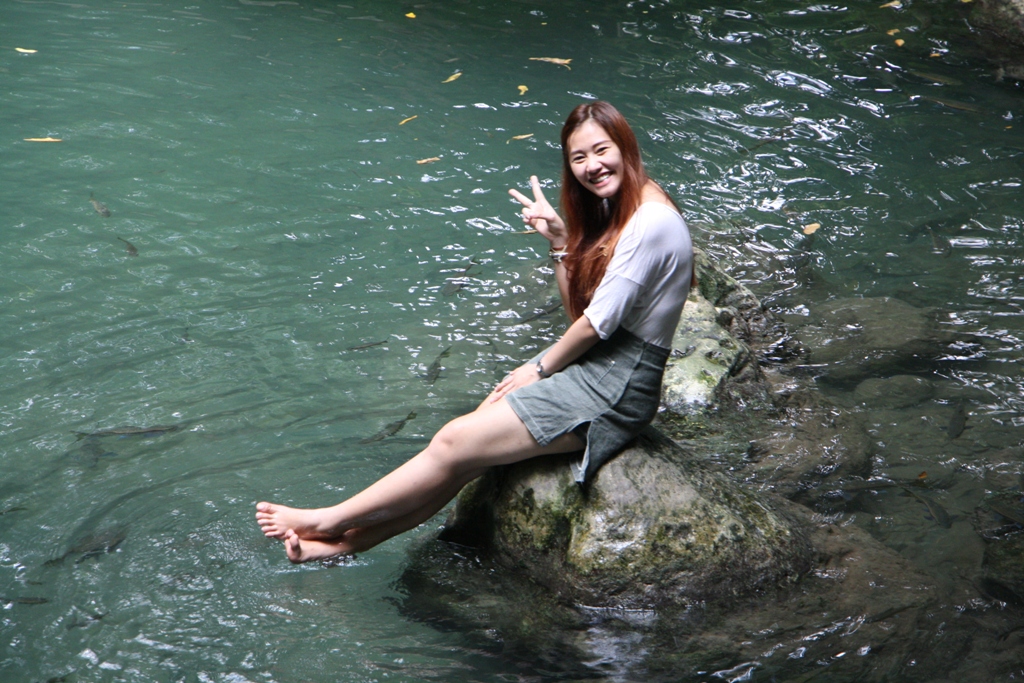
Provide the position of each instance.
(624, 281)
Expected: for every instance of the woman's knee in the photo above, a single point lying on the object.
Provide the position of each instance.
(450, 446)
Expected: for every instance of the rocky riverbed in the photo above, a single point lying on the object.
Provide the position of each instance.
(713, 544)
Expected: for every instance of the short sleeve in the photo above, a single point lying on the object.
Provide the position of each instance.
(634, 263)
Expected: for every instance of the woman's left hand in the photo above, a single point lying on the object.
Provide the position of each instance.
(520, 377)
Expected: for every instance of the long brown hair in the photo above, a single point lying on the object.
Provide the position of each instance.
(594, 224)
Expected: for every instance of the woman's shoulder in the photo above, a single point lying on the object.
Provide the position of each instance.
(658, 214)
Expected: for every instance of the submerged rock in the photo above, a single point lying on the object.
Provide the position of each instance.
(815, 442)
(1001, 34)
(656, 528)
(901, 391)
(804, 597)
(853, 339)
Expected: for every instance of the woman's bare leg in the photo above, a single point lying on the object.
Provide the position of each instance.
(491, 435)
(362, 539)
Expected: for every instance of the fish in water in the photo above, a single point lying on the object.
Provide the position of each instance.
(92, 545)
(1013, 514)
(937, 512)
(16, 508)
(90, 618)
(93, 448)
(550, 308)
(100, 207)
(957, 423)
(935, 78)
(456, 283)
(953, 104)
(390, 430)
(553, 60)
(25, 600)
(940, 245)
(370, 345)
(129, 247)
(780, 135)
(434, 371)
(130, 431)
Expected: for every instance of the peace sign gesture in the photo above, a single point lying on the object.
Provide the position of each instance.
(540, 215)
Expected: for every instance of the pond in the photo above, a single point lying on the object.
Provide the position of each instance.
(264, 232)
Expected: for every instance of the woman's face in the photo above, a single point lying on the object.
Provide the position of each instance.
(595, 160)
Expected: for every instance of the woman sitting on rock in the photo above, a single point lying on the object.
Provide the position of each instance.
(624, 264)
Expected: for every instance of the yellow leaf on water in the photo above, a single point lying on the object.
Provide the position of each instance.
(811, 228)
(935, 54)
(900, 42)
(966, 0)
(429, 160)
(43, 140)
(892, 31)
(411, 15)
(895, 3)
(452, 77)
(25, 50)
(522, 89)
(519, 137)
(553, 60)
(405, 121)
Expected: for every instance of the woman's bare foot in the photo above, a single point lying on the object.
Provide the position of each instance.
(306, 550)
(308, 524)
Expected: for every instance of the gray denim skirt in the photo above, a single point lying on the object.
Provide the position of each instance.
(606, 396)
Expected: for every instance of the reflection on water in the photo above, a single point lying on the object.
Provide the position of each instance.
(277, 276)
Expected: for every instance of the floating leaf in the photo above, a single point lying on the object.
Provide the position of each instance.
(405, 121)
(519, 137)
(900, 42)
(895, 3)
(522, 89)
(411, 15)
(43, 140)
(25, 50)
(811, 228)
(553, 60)
(935, 54)
(892, 31)
(428, 160)
(452, 77)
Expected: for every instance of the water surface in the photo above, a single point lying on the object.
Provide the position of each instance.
(263, 160)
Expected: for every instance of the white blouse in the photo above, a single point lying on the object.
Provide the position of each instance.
(648, 277)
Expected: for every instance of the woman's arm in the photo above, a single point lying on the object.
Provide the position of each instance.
(541, 216)
(576, 341)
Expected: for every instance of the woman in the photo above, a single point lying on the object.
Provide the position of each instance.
(624, 263)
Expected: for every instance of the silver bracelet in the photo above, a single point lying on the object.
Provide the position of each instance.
(541, 371)
(557, 255)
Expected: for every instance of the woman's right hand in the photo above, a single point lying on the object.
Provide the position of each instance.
(540, 215)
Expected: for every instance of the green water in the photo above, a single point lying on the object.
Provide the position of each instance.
(255, 156)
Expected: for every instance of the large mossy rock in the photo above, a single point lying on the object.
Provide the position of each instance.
(656, 528)
(714, 361)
